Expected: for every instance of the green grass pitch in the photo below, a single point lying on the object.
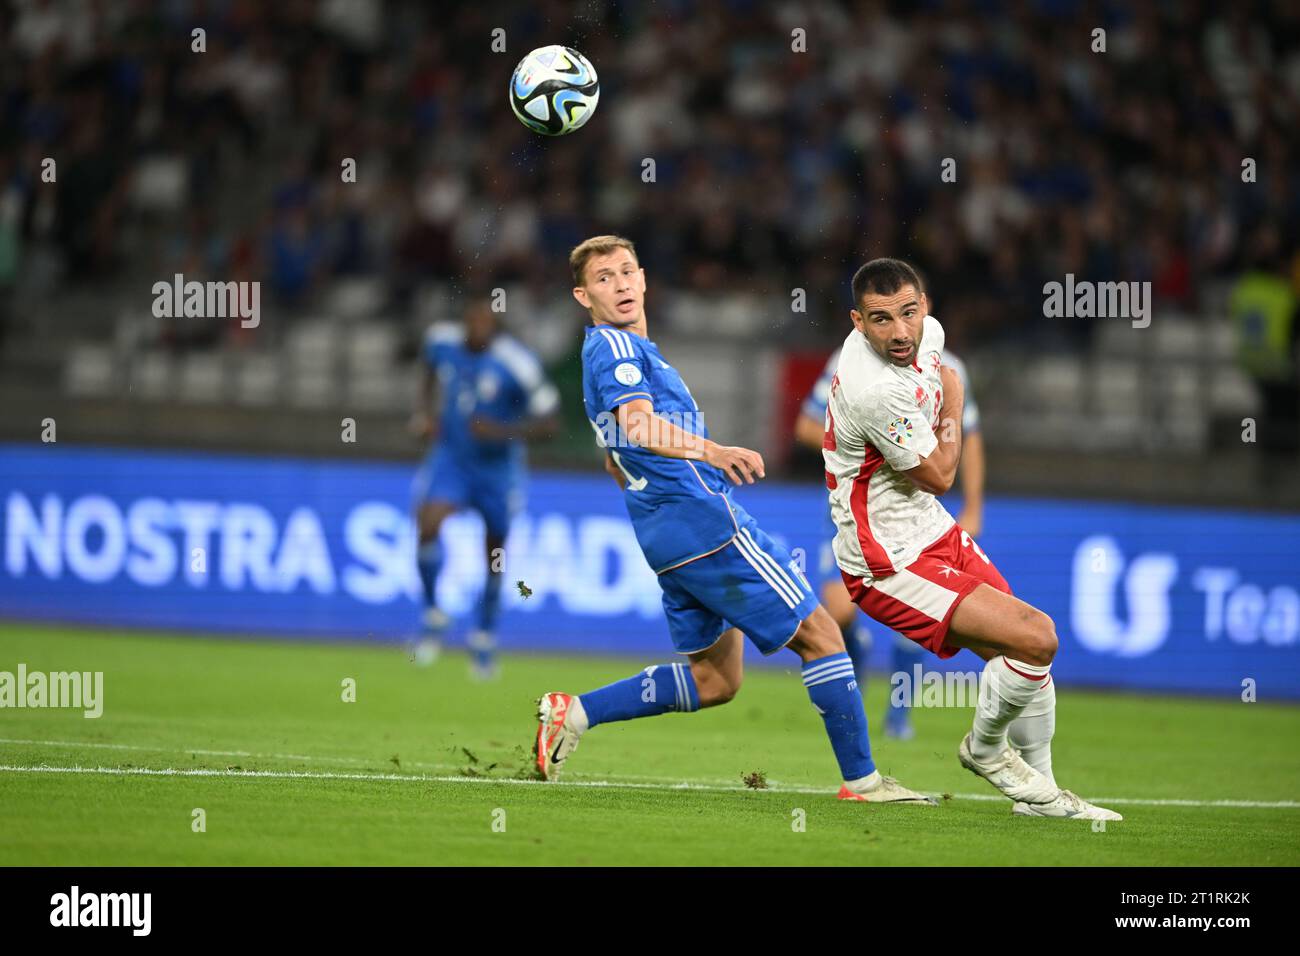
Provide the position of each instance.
(426, 768)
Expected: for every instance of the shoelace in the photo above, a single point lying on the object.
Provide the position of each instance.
(1018, 769)
(889, 782)
(1075, 803)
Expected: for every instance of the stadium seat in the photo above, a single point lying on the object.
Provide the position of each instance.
(355, 298)
(372, 345)
(90, 370)
(1178, 337)
(152, 376)
(1055, 382)
(1116, 338)
(1233, 393)
(1116, 385)
(201, 377)
(312, 388)
(256, 379)
(312, 343)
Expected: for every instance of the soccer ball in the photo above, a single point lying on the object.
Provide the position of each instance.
(554, 90)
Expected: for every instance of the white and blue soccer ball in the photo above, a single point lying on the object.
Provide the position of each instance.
(554, 90)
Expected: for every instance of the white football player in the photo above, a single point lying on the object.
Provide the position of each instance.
(893, 440)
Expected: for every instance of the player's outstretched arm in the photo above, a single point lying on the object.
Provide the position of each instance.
(971, 474)
(647, 430)
(938, 471)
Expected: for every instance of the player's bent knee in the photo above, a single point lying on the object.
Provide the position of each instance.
(818, 636)
(715, 690)
(722, 694)
(1039, 646)
(830, 632)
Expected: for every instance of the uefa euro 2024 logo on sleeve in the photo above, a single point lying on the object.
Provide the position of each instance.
(900, 431)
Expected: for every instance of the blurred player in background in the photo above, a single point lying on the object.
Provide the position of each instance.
(810, 430)
(893, 440)
(492, 396)
(721, 575)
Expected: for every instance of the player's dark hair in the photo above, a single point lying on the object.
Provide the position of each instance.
(884, 277)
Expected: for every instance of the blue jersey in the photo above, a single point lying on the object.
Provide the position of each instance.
(680, 509)
(504, 383)
(814, 406)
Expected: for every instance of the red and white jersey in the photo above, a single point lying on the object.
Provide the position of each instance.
(880, 422)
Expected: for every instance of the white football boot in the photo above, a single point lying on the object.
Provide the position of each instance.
(1066, 805)
(482, 647)
(878, 788)
(1011, 775)
(561, 724)
(426, 650)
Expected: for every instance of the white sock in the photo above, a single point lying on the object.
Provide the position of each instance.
(578, 715)
(863, 784)
(1031, 732)
(1006, 688)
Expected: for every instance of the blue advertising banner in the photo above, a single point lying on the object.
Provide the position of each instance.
(1143, 597)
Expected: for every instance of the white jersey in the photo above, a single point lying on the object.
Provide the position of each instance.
(880, 422)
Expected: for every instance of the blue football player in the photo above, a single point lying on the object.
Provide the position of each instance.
(721, 575)
(492, 397)
(809, 430)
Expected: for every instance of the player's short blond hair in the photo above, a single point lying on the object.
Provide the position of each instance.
(596, 246)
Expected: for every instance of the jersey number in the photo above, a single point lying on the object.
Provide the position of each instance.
(968, 542)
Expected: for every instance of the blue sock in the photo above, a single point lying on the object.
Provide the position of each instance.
(834, 691)
(656, 690)
(904, 656)
(489, 602)
(429, 561)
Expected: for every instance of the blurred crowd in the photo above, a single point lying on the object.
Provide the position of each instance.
(773, 169)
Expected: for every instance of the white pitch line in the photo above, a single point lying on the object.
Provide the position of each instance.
(609, 784)
(328, 775)
(326, 758)
(200, 750)
(169, 750)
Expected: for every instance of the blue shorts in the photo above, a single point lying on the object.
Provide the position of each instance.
(752, 583)
(495, 492)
